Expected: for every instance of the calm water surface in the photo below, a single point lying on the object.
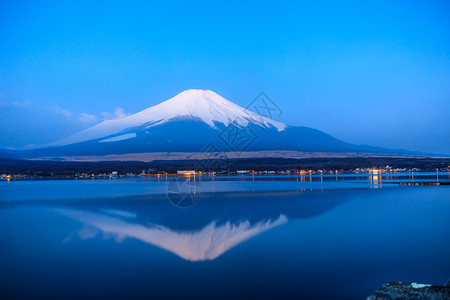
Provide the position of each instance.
(227, 237)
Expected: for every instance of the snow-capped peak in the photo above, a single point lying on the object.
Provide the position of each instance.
(203, 105)
(206, 106)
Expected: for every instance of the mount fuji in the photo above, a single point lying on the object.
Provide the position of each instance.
(192, 105)
(195, 121)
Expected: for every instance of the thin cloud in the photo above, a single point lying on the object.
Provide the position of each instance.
(84, 118)
(26, 103)
(64, 112)
(87, 119)
(118, 113)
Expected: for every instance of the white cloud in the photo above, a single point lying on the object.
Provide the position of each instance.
(118, 113)
(87, 119)
(64, 112)
(26, 103)
(83, 119)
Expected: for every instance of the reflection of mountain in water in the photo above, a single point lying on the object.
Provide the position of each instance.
(204, 244)
(204, 232)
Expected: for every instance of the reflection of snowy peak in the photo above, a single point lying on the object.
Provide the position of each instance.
(201, 105)
(207, 243)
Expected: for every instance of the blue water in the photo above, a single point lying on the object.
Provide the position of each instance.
(223, 237)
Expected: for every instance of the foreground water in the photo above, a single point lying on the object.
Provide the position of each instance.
(229, 237)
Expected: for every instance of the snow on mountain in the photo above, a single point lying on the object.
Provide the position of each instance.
(207, 243)
(203, 105)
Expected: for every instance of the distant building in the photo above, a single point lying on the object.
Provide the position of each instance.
(187, 173)
(243, 171)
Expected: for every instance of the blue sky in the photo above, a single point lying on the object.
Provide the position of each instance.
(373, 73)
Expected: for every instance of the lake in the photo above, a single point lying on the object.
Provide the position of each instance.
(333, 236)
